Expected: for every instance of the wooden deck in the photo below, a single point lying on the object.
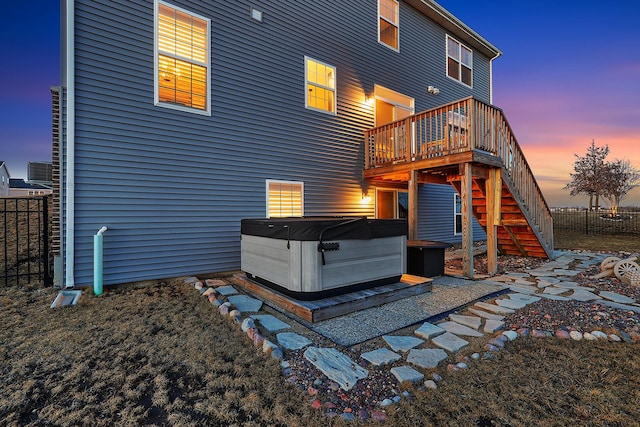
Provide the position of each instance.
(471, 146)
(326, 308)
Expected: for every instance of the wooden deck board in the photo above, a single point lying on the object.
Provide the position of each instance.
(326, 308)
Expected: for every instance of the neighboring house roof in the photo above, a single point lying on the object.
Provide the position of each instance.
(449, 22)
(2, 163)
(20, 183)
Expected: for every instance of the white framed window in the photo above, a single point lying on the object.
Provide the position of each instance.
(457, 214)
(320, 86)
(285, 198)
(459, 62)
(181, 59)
(389, 23)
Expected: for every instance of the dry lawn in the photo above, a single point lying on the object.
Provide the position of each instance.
(160, 355)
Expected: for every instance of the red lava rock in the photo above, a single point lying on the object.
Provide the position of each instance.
(378, 415)
(330, 405)
(363, 414)
(562, 334)
(452, 368)
(251, 332)
(523, 332)
(538, 334)
(348, 410)
(257, 339)
(316, 404)
(312, 391)
(547, 316)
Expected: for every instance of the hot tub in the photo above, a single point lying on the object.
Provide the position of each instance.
(311, 258)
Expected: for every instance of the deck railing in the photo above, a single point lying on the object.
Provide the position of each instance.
(457, 127)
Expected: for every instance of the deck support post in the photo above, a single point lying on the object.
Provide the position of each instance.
(466, 196)
(413, 206)
(493, 196)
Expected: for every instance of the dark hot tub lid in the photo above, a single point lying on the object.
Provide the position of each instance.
(323, 228)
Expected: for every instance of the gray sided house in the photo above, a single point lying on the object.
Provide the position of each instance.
(179, 118)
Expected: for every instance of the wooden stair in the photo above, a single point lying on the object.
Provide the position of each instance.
(517, 234)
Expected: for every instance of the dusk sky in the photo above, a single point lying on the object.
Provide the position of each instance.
(569, 74)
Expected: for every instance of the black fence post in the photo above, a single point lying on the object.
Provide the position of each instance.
(586, 221)
(45, 232)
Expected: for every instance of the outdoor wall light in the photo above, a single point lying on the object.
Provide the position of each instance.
(434, 90)
(365, 197)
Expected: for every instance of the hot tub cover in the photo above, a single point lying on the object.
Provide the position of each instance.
(323, 228)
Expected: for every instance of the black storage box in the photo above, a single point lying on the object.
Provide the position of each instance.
(425, 258)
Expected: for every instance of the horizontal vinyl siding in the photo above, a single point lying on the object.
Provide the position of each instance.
(172, 186)
(436, 222)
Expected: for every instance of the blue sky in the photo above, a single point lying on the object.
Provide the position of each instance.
(570, 73)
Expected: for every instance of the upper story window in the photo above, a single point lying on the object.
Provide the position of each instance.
(181, 59)
(285, 198)
(320, 86)
(388, 23)
(459, 62)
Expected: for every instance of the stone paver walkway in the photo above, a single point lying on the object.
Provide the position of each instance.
(430, 343)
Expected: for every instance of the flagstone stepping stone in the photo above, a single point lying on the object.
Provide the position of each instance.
(550, 280)
(494, 308)
(338, 367)
(401, 343)
(523, 289)
(491, 326)
(450, 342)
(615, 297)
(426, 358)
(381, 356)
(634, 308)
(510, 303)
(458, 329)
(292, 341)
(245, 303)
(428, 331)
(564, 272)
(528, 299)
(572, 285)
(516, 275)
(484, 314)
(584, 296)
(406, 373)
(554, 290)
(511, 335)
(554, 297)
(470, 321)
(270, 323)
(226, 290)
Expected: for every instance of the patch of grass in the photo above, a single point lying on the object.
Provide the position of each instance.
(591, 242)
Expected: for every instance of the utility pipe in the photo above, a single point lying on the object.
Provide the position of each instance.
(97, 261)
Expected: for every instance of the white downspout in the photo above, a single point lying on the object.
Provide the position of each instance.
(491, 77)
(70, 171)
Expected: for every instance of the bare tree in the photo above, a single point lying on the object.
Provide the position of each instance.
(622, 177)
(589, 176)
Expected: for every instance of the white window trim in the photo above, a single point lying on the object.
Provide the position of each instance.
(207, 64)
(279, 181)
(334, 90)
(456, 196)
(446, 54)
(396, 25)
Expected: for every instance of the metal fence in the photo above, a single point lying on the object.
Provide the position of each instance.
(602, 222)
(24, 241)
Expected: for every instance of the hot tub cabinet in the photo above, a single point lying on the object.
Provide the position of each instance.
(311, 258)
